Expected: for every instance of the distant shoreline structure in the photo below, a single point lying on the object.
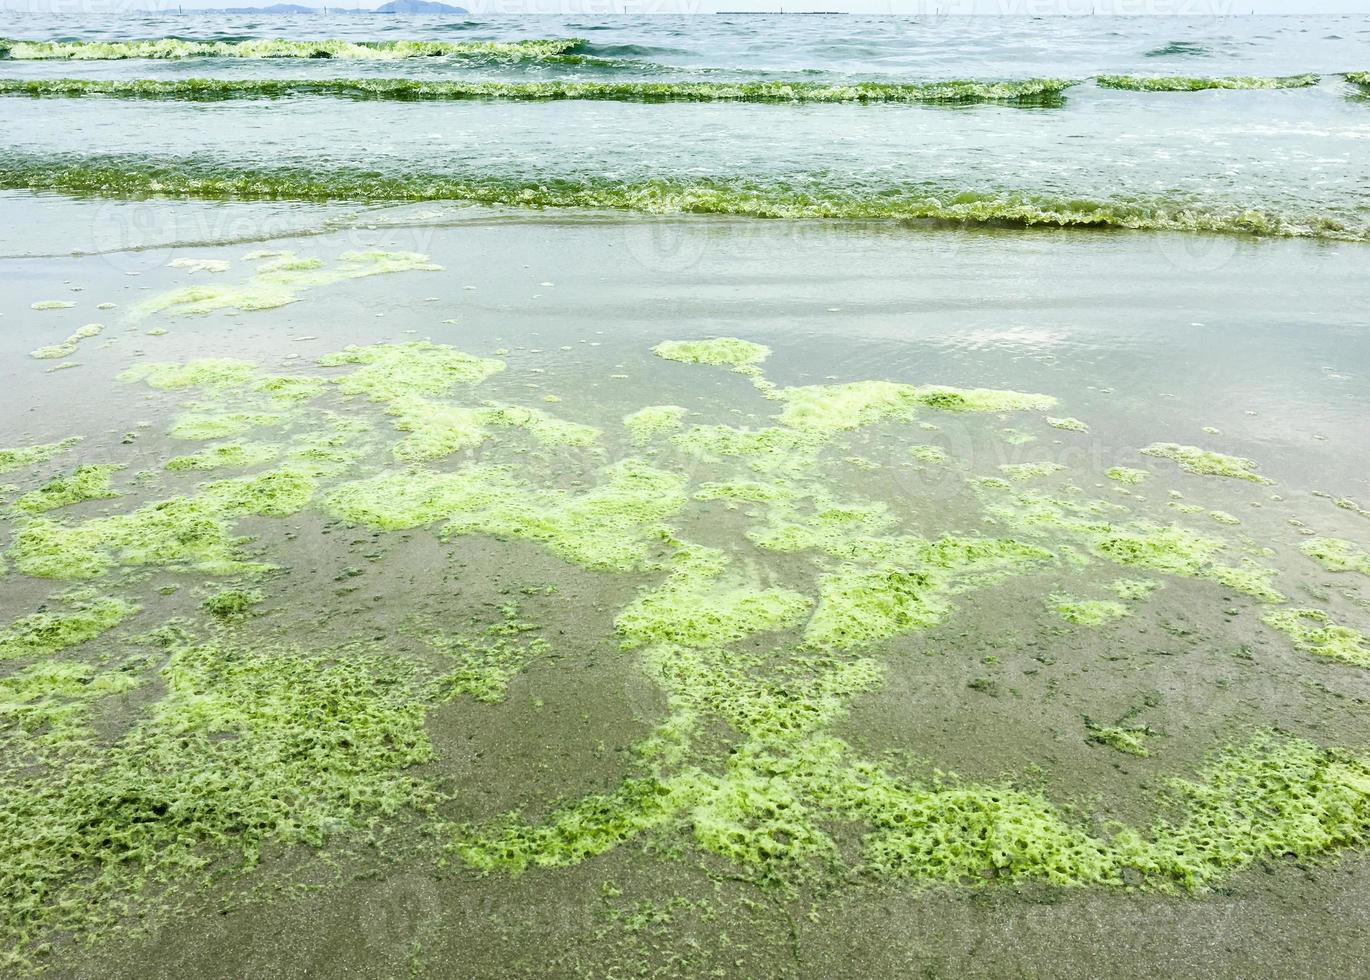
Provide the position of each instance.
(781, 13)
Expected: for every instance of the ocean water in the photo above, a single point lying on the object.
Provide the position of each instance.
(1295, 156)
(479, 526)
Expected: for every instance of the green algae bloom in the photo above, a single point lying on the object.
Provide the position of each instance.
(232, 605)
(909, 589)
(229, 455)
(174, 48)
(702, 604)
(386, 372)
(278, 282)
(1337, 555)
(90, 482)
(1126, 475)
(763, 449)
(194, 532)
(609, 526)
(205, 372)
(1124, 739)
(1142, 83)
(1031, 92)
(435, 429)
(485, 661)
(247, 748)
(52, 304)
(646, 424)
(1133, 589)
(1029, 471)
(1203, 462)
(720, 351)
(13, 459)
(928, 454)
(1086, 612)
(741, 356)
(1068, 424)
(1313, 631)
(46, 633)
(827, 409)
(820, 197)
(68, 347)
(201, 426)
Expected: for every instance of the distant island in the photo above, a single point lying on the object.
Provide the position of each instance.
(418, 7)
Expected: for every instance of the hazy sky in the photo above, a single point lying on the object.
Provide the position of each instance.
(592, 7)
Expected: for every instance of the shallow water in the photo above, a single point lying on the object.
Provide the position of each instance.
(992, 603)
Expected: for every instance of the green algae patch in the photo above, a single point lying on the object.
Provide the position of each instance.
(485, 661)
(175, 49)
(763, 449)
(1337, 555)
(204, 372)
(386, 372)
(1126, 475)
(990, 400)
(13, 459)
(824, 197)
(1250, 579)
(401, 499)
(742, 356)
(248, 747)
(571, 834)
(47, 705)
(1068, 424)
(829, 409)
(51, 304)
(720, 351)
(703, 604)
(1127, 739)
(1276, 796)
(1025, 92)
(646, 424)
(1223, 517)
(435, 429)
(68, 347)
(229, 455)
(908, 587)
(1086, 612)
(1029, 471)
(181, 532)
(84, 617)
(202, 426)
(542, 426)
(1313, 631)
(748, 490)
(232, 605)
(275, 493)
(1133, 589)
(1203, 462)
(1180, 83)
(612, 525)
(278, 282)
(89, 482)
(928, 454)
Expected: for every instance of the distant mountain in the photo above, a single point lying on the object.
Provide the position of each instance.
(418, 7)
